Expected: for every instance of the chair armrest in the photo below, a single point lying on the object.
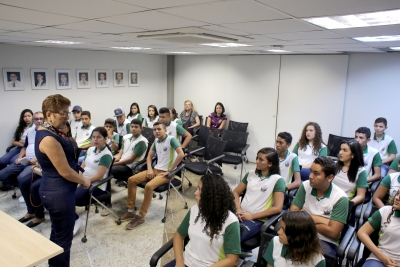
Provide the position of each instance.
(194, 136)
(292, 192)
(358, 211)
(136, 164)
(353, 249)
(196, 150)
(271, 220)
(244, 149)
(177, 169)
(368, 211)
(161, 252)
(208, 162)
(240, 262)
(98, 183)
(345, 241)
(249, 264)
(374, 186)
(9, 148)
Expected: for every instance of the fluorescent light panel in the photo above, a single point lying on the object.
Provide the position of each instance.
(358, 20)
(278, 51)
(181, 53)
(131, 48)
(378, 38)
(395, 48)
(58, 42)
(226, 45)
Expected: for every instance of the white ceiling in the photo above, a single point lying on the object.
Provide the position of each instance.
(102, 24)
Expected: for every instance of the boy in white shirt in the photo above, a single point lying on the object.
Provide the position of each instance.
(76, 122)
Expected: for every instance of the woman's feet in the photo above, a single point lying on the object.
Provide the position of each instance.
(35, 222)
(26, 218)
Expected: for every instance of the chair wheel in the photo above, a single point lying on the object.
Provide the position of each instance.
(186, 206)
(135, 208)
(84, 239)
(154, 195)
(235, 167)
(163, 220)
(190, 183)
(86, 207)
(180, 188)
(118, 222)
(160, 196)
(14, 196)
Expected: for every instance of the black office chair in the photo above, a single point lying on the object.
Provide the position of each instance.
(333, 145)
(237, 126)
(202, 137)
(236, 142)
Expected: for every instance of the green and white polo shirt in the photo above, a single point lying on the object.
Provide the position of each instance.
(131, 145)
(124, 128)
(334, 205)
(93, 159)
(372, 159)
(115, 138)
(307, 156)
(175, 130)
(137, 116)
(260, 191)
(385, 146)
(149, 123)
(392, 183)
(389, 234)
(75, 124)
(395, 164)
(84, 135)
(166, 153)
(278, 255)
(342, 181)
(289, 166)
(178, 121)
(200, 252)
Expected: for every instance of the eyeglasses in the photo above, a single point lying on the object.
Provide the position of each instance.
(64, 114)
(38, 119)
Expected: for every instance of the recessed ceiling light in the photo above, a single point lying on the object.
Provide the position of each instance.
(378, 38)
(278, 51)
(226, 45)
(358, 20)
(395, 48)
(131, 48)
(182, 53)
(58, 42)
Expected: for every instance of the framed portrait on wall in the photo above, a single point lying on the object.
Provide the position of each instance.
(133, 78)
(39, 79)
(63, 79)
(82, 79)
(13, 79)
(102, 78)
(119, 78)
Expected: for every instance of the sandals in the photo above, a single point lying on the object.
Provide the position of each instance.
(31, 224)
(24, 219)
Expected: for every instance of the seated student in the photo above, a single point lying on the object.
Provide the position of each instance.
(134, 147)
(326, 203)
(213, 229)
(217, 119)
(189, 117)
(387, 221)
(390, 184)
(174, 116)
(265, 190)
(351, 176)
(84, 133)
(24, 124)
(112, 137)
(384, 144)
(96, 163)
(123, 125)
(134, 112)
(372, 158)
(76, 122)
(169, 155)
(309, 147)
(152, 116)
(174, 129)
(297, 243)
(288, 161)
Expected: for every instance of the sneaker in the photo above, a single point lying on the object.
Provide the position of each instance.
(21, 199)
(106, 212)
(127, 216)
(77, 225)
(135, 223)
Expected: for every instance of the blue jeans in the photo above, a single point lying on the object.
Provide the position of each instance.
(373, 263)
(9, 157)
(171, 264)
(82, 196)
(329, 249)
(29, 187)
(249, 229)
(14, 170)
(305, 174)
(384, 170)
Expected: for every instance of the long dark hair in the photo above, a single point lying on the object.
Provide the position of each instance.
(215, 108)
(356, 162)
(101, 130)
(389, 218)
(273, 157)
(155, 111)
(317, 141)
(174, 114)
(21, 124)
(68, 133)
(216, 200)
(130, 109)
(302, 237)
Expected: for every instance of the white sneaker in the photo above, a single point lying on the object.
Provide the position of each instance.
(78, 223)
(21, 199)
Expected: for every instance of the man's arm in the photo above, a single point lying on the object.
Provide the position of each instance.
(331, 228)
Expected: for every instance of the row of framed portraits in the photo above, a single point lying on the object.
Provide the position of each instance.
(14, 79)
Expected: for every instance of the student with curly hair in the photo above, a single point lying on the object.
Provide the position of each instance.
(265, 189)
(212, 227)
(297, 243)
(309, 147)
(387, 221)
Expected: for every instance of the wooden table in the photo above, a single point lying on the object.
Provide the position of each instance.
(22, 246)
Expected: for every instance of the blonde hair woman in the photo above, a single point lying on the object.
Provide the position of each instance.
(189, 117)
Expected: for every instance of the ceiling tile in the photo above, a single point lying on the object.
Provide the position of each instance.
(326, 41)
(99, 27)
(369, 31)
(303, 35)
(156, 4)
(61, 32)
(383, 44)
(17, 26)
(225, 30)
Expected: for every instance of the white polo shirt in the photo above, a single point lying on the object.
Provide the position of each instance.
(30, 143)
(392, 183)
(166, 153)
(93, 159)
(149, 123)
(372, 159)
(342, 181)
(124, 128)
(175, 130)
(84, 135)
(75, 124)
(288, 166)
(307, 156)
(132, 145)
(385, 146)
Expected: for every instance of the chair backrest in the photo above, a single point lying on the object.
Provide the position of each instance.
(334, 144)
(108, 188)
(238, 126)
(121, 140)
(148, 134)
(203, 134)
(215, 147)
(236, 141)
(201, 119)
(214, 132)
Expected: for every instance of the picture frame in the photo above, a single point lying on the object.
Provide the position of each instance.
(119, 78)
(13, 79)
(83, 79)
(63, 79)
(102, 78)
(133, 78)
(39, 79)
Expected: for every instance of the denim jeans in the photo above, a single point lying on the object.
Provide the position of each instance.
(9, 157)
(249, 228)
(305, 174)
(13, 170)
(29, 187)
(373, 263)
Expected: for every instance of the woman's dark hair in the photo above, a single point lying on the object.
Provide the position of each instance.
(215, 108)
(273, 157)
(69, 133)
(216, 200)
(356, 162)
(101, 130)
(130, 109)
(302, 237)
(174, 114)
(21, 124)
(317, 142)
(155, 110)
(389, 217)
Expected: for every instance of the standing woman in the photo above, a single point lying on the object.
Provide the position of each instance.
(309, 147)
(189, 117)
(174, 116)
(152, 116)
(134, 112)
(56, 157)
(25, 122)
(217, 119)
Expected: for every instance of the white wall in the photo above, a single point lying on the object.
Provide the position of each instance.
(99, 101)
